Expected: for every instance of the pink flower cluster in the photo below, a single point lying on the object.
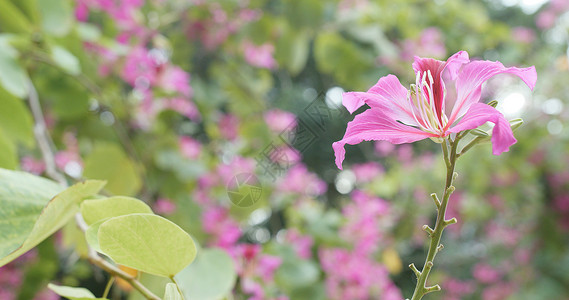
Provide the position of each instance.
(366, 219)
(12, 275)
(302, 244)
(144, 68)
(355, 274)
(256, 271)
(430, 44)
(559, 183)
(223, 229)
(367, 172)
(68, 161)
(547, 17)
(260, 56)
(279, 120)
(356, 277)
(299, 180)
(189, 147)
(220, 24)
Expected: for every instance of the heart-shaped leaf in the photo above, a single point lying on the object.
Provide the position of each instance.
(28, 216)
(99, 209)
(92, 235)
(109, 162)
(72, 293)
(148, 243)
(210, 277)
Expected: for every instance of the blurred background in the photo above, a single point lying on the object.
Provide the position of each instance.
(221, 115)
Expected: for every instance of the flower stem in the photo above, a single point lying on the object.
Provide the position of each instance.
(435, 234)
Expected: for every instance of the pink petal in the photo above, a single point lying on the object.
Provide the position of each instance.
(452, 64)
(437, 68)
(480, 113)
(387, 94)
(474, 74)
(377, 125)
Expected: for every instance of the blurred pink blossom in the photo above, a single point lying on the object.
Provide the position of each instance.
(140, 69)
(366, 172)
(46, 294)
(164, 206)
(217, 222)
(356, 277)
(279, 120)
(256, 270)
(216, 29)
(405, 153)
(174, 79)
(498, 291)
(561, 203)
(228, 126)
(429, 44)
(183, 106)
(32, 165)
(384, 148)
(237, 165)
(346, 5)
(260, 56)
(364, 227)
(502, 234)
(302, 244)
(189, 147)
(455, 289)
(485, 273)
(547, 17)
(523, 34)
(300, 181)
(267, 265)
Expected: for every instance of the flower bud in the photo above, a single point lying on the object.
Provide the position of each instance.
(516, 123)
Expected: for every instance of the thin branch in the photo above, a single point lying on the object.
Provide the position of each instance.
(108, 287)
(43, 138)
(45, 144)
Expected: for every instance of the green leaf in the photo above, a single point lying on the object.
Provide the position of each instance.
(65, 60)
(72, 293)
(294, 274)
(29, 8)
(15, 119)
(99, 209)
(88, 32)
(9, 157)
(22, 198)
(56, 15)
(25, 219)
(12, 76)
(92, 235)
(12, 19)
(109, 162)
(148, 243)
(292, 50)
(210, 277)
(172, 292)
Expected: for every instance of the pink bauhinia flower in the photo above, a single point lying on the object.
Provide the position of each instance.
(402, 116)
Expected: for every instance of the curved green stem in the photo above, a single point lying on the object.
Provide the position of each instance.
(435, 234)
(177, 286)
(108, 287)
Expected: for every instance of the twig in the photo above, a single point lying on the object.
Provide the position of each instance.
(43, 138)
(44, 142)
